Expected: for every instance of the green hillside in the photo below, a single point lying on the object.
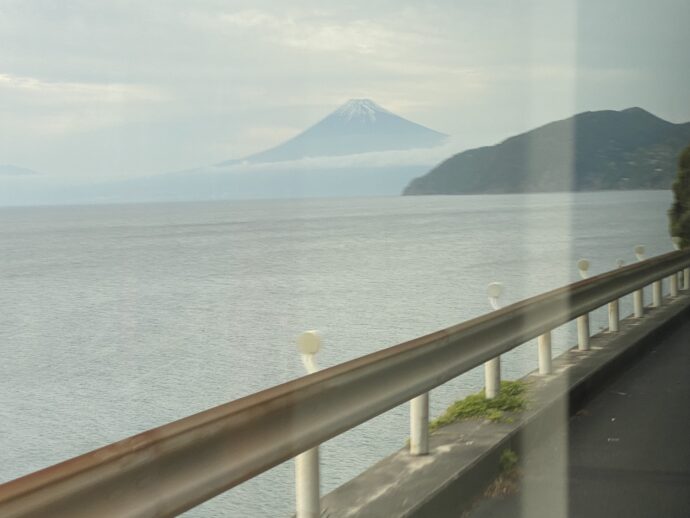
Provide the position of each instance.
(602, 150)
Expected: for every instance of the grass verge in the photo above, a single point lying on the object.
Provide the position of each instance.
(511, 398)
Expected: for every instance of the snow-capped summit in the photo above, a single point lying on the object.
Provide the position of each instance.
(358, 126)
(360, 109)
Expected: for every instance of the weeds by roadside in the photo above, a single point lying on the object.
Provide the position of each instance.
(511, 398)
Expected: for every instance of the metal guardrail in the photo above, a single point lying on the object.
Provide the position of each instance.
(167, 470)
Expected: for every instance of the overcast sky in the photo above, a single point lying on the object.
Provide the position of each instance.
(127, 88)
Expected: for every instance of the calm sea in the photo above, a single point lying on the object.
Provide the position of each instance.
(116, 319)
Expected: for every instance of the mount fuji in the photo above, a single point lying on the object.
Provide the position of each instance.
(360, 149)
(358, 126)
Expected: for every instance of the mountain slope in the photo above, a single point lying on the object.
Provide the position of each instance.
(358, 126)
(628, 149)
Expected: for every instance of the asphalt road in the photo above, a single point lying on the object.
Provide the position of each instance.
(625, 454)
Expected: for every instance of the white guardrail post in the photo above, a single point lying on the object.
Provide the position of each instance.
(492, 368)
(544, 347)
(656, 294)
(613, 307)
(544, 353)
(673, 285)
(583, 320)
(307, 478)
(638, 295)
(419, 425)
(673, 279)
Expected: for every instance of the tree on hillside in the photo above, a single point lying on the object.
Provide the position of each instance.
(679, 213)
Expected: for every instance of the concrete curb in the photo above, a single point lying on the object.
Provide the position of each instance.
(464, 457)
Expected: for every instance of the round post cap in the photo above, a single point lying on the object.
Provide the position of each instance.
(309, 342)
(583, 264)
(494, 290)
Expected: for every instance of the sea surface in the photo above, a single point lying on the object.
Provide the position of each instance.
(115, 319)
